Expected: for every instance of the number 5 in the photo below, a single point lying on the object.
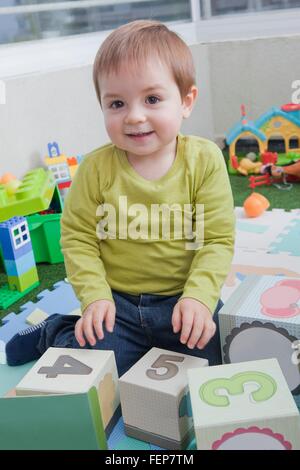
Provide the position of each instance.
(163, 361)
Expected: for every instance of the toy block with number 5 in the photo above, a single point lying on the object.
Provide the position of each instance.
(66, 370)
(244, 406)
(155, 400)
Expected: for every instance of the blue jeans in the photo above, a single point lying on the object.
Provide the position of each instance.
(142, 322)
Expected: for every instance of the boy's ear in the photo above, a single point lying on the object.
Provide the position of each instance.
(189, 101)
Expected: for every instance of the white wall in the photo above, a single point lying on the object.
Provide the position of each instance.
(258, 73)
(61, 105)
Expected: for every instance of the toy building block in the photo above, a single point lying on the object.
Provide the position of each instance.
(243, 406)
(261, 320)
(18, 260)
(66, 370)
(15, 238)
(59, 422)
(155, 401)
(36, 317)
(25, 281)
(33, 195)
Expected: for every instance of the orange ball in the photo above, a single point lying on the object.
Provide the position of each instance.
(255, 205)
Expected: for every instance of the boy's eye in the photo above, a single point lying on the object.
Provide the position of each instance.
(152, 99)
(116, 104)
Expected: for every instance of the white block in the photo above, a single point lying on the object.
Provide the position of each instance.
(262, 320)
(155, 399)
(243, 406)
(66, 370)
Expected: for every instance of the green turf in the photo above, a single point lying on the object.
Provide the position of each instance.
(279, 198)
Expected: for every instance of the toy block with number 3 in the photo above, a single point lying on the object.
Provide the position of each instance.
(66, 370)
(155, 399)
(244, 406)
(261, 320)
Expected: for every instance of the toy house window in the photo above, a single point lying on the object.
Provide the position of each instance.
(20, 235)
(294, 142)
(276, 144)
(245, 145)
(277, 124)
(60, 171)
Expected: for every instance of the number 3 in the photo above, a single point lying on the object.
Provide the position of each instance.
(235, 386)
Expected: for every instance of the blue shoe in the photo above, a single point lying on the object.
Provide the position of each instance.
(22, 347)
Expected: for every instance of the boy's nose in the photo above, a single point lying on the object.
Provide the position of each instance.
(135, 114)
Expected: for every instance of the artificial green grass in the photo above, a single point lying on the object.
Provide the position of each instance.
(279, 198)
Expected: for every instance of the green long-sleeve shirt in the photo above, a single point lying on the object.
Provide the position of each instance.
(123, 232)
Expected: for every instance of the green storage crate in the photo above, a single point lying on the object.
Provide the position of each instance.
(45, 236)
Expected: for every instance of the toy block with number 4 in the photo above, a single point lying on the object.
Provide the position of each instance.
(244, 406)
(66, 370)
(155, 400)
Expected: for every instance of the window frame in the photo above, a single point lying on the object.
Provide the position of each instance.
(67, 52)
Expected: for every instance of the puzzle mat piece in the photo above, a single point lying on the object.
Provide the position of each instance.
(61, 300)
(234, 279)
(244, 263)
(11, 376)
(269, 263)
(289, 240)
(259, 232)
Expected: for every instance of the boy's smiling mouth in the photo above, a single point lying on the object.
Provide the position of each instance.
(139, 135)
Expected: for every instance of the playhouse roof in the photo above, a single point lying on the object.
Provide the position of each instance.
(273, 112)
(254, 127)
(249, 126)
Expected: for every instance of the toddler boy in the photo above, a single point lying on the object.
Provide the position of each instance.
(148, 224)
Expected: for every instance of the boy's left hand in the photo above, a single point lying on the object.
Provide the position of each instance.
(195, 322)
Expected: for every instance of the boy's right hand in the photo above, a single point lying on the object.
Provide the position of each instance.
(92, 319)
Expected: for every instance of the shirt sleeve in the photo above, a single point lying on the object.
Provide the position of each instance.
(212, 260)
(79, 241)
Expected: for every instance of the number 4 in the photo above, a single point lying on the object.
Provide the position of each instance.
(75, 367)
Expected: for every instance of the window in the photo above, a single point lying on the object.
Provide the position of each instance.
(211, 8)
(23, 20)
(20, 235)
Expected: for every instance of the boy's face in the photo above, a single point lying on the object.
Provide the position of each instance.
(143, 110)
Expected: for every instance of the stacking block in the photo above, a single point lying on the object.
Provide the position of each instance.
(58, 422)
(21, 265)
(36, 317)
(155, 400)
(66, 370)
(24, 281)
(244, 406)
(262, 320)
(33, 195)
(15, 238)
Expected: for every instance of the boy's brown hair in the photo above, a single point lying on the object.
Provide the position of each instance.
(135, 42)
